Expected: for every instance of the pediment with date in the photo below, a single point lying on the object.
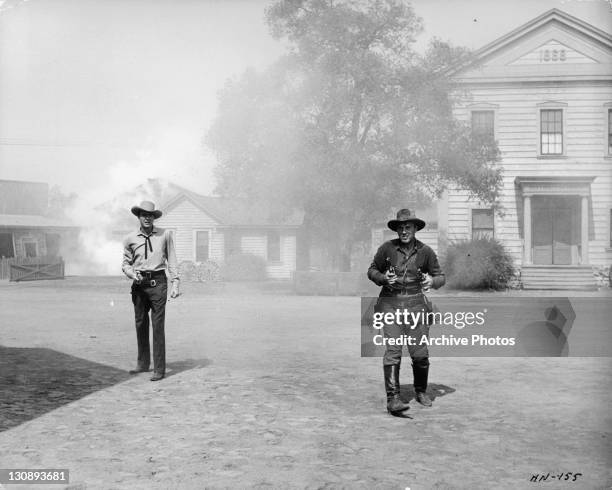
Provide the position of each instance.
(553, 52)
(554, 46)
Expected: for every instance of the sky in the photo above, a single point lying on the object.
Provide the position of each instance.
(98, 95)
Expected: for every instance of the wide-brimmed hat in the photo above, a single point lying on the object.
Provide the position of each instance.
(147, 207)
(406, 216)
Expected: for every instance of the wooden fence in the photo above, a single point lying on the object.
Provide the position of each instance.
(31, 268)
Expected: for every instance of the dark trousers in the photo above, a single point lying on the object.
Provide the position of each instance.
(419, 353)
(151, 298)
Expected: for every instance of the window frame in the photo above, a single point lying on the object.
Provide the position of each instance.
(482, 107)
(489, 209)
(30, 241)
(195, 243)
(552, 106)
(483, 111)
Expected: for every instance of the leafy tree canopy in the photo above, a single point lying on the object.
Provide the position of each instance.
(350, 123)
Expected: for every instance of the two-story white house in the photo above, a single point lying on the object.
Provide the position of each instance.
(544, 92)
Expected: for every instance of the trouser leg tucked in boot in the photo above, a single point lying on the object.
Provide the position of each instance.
(420, 371)
(392, 386)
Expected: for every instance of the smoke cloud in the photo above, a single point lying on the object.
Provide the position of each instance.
(103, 213)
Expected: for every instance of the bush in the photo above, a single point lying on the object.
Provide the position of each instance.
(199, 271)
(603, 276)
(243, 267)
(481, 263)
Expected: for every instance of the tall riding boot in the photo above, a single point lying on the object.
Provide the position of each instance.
(392, 386)
(420, 371)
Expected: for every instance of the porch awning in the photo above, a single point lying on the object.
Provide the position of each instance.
(554, 186)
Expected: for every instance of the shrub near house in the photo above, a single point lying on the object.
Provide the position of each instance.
(207, 271)
(480, 263)
(243, 267)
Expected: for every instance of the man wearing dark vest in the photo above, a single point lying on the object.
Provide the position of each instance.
(147, 253)
(405, 268)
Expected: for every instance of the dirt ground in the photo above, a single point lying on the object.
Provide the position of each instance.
(268, 390)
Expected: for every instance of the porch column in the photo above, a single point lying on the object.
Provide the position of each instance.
(584, 235)
(527, 229)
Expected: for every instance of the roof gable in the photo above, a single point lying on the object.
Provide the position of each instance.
(233, 212)
(178, 202)
(554, 45)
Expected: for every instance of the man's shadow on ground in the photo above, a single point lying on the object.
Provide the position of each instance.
(34, 381)
(407, 394)
(176, 367)
(434, 391)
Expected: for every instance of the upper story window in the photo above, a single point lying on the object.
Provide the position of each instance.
(552, 123)
(551, 131)
(483, 123)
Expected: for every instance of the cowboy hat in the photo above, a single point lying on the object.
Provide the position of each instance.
(146, 207)
(406, 216)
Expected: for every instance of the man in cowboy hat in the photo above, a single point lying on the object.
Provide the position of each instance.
(405, 267)
(147, 252)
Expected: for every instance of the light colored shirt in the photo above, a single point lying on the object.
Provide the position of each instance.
(149, 253)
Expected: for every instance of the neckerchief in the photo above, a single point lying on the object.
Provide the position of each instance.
(147, 242)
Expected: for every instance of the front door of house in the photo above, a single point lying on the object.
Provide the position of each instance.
(553, 230)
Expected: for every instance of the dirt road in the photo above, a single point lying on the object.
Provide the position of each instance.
(269, 391)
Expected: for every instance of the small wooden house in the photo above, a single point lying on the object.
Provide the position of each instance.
(212, 228)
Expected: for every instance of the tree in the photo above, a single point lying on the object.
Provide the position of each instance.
(349, 124)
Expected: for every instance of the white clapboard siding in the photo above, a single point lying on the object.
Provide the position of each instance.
(184, 219)
(549, 66)
(517, 116)
(254, 243)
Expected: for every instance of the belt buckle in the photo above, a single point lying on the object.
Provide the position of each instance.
(153, 283)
